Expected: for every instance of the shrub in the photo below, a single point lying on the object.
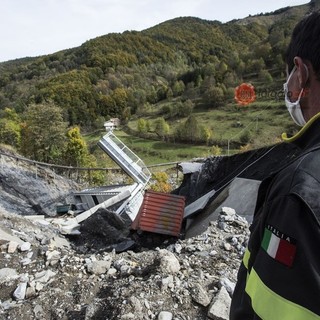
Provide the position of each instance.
(216, 150)
(246, 137)
(160, 182)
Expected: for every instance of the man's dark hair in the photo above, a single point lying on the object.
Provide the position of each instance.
(305, 42)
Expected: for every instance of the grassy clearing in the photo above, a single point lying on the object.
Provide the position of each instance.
(154, 152)
(258, 124)
(266, 120)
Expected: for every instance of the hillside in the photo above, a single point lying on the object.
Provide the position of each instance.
(181, 67)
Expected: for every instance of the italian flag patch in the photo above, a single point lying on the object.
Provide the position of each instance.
(279, 246)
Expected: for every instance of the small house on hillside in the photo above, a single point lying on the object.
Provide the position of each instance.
(112, 124)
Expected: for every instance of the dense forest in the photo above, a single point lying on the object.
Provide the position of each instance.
(44, 101)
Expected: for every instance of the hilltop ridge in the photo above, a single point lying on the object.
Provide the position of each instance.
(179, 68)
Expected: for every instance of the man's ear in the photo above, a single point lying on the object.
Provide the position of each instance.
(302, 71)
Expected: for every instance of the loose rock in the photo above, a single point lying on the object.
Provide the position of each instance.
(6, 274)
(199, 294)
(25, 246)
(219, 309)
(20, 292)
(12, 246)
(165, 315)
(168, 262)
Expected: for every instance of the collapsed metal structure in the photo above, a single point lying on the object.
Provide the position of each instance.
(148, 211)
(204, 187)
(121, 198)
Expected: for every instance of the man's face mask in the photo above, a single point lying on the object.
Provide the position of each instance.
(294, 107)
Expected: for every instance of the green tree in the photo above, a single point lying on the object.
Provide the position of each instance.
(99, 122)
(126, 115)
(221, 71)
(185, 109)
(9, 114)
(169, 94)
(207, 83)
(148, 125)
(263, 51)
(206, 134)
(178, 88)
(43, 132)
(76, 154)
(10, 130)
(189, 131)
(152, 95)
(265, 76)
(162, 128)
(192, 128)
(214, 97)
(255, 65)
(142, 125)
(94, 177)
(162, 92)
(76, 151)
(73, 91)
(168, 111)
(120, 98)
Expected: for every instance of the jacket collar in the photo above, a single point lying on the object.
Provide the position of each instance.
(308, 136)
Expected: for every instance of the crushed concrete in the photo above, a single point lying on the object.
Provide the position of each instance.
(186, 279)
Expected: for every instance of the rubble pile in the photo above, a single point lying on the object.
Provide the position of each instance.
(42, 276)
(102, 231)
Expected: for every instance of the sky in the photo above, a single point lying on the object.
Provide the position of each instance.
(30, 28)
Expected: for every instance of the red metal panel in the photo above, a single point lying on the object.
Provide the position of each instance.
(160, 213)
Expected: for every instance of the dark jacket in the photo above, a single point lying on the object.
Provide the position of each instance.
(279, 278)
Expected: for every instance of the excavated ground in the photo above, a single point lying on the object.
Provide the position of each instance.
(108, 272)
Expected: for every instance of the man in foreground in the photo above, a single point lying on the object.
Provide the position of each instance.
(279, 278)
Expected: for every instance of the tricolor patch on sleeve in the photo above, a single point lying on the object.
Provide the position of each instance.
(279, 246)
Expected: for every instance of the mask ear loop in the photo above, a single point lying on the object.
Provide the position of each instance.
(302, 90)
(286, 84)
(291, 73)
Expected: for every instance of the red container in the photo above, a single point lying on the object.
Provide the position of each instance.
(160, 213)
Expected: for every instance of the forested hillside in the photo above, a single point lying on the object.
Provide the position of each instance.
(172, 69)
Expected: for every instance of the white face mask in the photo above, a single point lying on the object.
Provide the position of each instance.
(294, 107)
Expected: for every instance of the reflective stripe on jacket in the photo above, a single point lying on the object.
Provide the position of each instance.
(279, 278)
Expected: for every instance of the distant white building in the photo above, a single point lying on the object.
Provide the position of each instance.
(112, 124)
